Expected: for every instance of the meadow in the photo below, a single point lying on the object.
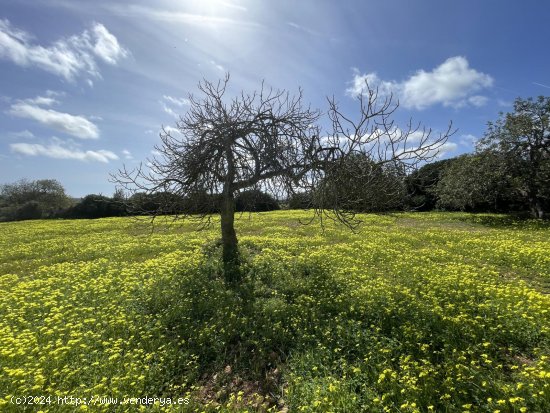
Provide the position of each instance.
(413, 312)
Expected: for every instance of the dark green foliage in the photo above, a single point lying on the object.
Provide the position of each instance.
(201, 202)
(25, 199)
(29, 210)
(522, 138)
(158, 203)
(165, 203)
(255, 200)
(357, 183)
(300, 200)
(476, 182)
(96, 206)
(421, 185)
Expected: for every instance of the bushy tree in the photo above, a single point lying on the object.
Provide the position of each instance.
(201, 203)
(358, 183)
(421, 185)
(37, 199)
(254, 200)
(96, 206)
(300, 200)
(523, 139)
(29, 210)
(158, 203)
(475, 182)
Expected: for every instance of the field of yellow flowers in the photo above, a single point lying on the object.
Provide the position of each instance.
(413, 312)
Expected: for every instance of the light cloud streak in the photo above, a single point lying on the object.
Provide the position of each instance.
(61, 150)
(177, 101)
(176, 16)
(74, 125)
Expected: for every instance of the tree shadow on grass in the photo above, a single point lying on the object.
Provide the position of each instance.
(505, 221)
(241, 335)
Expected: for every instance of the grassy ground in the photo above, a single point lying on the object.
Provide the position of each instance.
(413, 313)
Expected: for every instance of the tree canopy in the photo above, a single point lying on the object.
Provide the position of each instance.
(31, 199)
(523, 138)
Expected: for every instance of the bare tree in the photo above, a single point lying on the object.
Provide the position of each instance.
(270, 140)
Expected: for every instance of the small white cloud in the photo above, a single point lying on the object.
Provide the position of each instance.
(170, 100)
(127, 154)
(504, 103)
(25, 134)
(445, 149)
(169, 110)
(218, 66)
(171, 130)
(106, 45)
(453, 83)
(42, 100)
(233, 6)
(468, 139)
(303, 29)
(66, 57)
(177, 101)
(478, 101)
(62, 150)
(77, 126)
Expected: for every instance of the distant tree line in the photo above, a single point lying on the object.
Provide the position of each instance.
(509, 172)
(46, 199)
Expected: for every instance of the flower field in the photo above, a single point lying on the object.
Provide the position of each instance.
(414, 312)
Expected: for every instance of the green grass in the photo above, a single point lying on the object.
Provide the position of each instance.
(415, 312)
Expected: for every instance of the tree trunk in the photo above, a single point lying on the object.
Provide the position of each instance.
(536, 208)
(229, 239)
(535, 203)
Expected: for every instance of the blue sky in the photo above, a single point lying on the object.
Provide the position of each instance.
(86, 86)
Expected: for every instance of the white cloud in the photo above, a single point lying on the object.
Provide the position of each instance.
(25, 134)
(127, 154)
(171, 130)
(77, 126)
(233, 6)
(218, 66)
(468, 139)
(42, 100)
(478, 100)
(445, 149)
(504, 103)
(61, 150)
(453, 83)
(170, 100)
(106, 45)
(169, 110)
(67, 57)
(177, 101)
